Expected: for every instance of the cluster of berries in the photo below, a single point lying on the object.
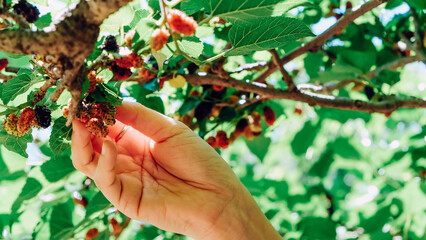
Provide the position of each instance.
(121, 66)
(96, 117)
(178, 22)
(27, 10)
(39, 117)
(249, 126)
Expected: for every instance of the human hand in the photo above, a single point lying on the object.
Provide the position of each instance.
(162, 173)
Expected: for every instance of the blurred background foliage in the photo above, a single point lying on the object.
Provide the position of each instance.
(316, 173)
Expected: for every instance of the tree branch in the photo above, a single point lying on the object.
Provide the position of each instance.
(317, 42)
(313, 99)
(400, 62)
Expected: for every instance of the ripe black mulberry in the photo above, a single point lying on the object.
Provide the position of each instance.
(43, 116)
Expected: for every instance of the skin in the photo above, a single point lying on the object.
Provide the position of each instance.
(161, 172)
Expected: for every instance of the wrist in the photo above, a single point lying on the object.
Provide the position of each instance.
(241, 219)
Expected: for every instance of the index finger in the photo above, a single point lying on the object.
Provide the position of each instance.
(152, 124)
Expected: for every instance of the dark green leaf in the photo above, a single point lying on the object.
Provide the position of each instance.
(189, 104)
(259, 146)
(44, 21)
(265, 33)
(96, 204)
(320, 167)
(343, 148)
(106, 93)
(360, 60)
(57, 168)
(317, 228)
(61, 220)
(342, 115)
(30, 190)
(377, 221)
(141, 95)
(387, 76)
(304, 138)
(60, 139)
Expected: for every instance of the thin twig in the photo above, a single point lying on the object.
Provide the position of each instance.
(286, 77)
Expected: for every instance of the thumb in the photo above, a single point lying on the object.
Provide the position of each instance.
(105, 175)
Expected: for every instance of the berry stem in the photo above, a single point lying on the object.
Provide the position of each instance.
(9, 107)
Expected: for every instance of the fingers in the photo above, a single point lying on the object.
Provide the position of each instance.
(149, 122)
(83, 157)
(105, 176)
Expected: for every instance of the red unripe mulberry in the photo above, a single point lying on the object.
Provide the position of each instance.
(218, 88)
(241, 125)
(3, 63)
(222, 140)
(91, 234)
(179, 22)
(159, 38)
(26, 120)
(212, 142)
(269, 115)
(116, 227)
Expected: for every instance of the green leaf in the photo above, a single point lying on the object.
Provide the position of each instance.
(242, 9)
(189, 104)
(15, 144)
(259, 146)
(387, 76)
(317, 228)
(343, 148)
(15, 86)
(44, 21)
(61, 220)
(57, 168)
(304, 138)
(360, 60)
(192, 46)
(96, 204)
(142, 96)
(4, 171)
(377, 221)
(60, 138)
(106, 93)
(265, 33)
(139, 14)
(320, 167)
(30, 190)
(342, 115)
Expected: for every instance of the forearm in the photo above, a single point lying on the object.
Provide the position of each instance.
(242, 220)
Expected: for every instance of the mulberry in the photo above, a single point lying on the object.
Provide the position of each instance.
(131, 60)
(27, 10)
(11, 125)
(43, 116)
(110, 44)
(241, 125)
(93, 81)
(222, 140)
(159, 38)
(97, 127)
(119, 72)
(91, 234)
(146, 74)
(26, 120)
(179, 22)
(3, 63)
(212, 142)
(269, 115)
